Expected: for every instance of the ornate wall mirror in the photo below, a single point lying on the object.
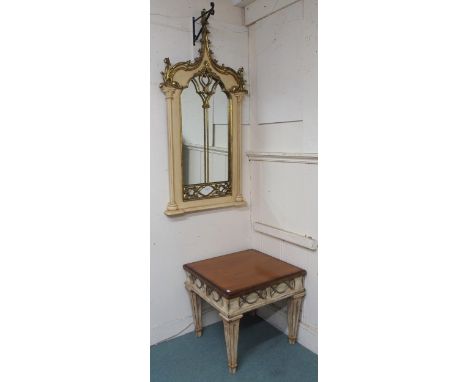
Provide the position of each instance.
(204, 101)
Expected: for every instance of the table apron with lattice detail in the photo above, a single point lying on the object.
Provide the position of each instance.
(234, 306)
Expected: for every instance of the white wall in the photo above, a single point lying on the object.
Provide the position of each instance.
(283, 101)
(178, 240)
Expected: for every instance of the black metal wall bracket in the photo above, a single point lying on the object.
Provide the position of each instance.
(205, 14)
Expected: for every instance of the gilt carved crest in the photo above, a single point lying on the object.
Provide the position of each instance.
(205, 62)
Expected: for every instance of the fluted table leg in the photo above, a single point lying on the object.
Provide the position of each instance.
(294, 314)
(231, 335)
(195, 302)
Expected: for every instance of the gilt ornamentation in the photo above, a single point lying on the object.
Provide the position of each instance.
(206, 59)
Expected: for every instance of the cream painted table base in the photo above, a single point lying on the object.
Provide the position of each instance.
(232, 308)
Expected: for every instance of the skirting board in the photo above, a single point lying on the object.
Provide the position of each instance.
(307, 158)
(291, 237)
(308, 334)
(168, 329)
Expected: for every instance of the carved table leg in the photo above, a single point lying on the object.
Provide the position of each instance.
(231, 335)
(294, 314)
(195, 301)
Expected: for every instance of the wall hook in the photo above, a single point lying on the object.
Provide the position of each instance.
(205, 14)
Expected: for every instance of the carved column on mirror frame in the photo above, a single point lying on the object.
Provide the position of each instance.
(231, 335)
(169, 93)
(294, 315)
(196, 303)
(239, 97)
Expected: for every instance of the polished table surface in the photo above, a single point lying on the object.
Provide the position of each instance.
(243, 272)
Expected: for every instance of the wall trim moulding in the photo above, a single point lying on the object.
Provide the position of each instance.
(311, 158)
(301, 240)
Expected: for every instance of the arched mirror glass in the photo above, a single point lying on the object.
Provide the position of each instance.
(205, 138)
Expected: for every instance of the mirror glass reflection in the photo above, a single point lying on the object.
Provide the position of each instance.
(205, 138)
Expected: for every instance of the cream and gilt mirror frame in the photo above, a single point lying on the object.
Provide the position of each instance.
(188, 198)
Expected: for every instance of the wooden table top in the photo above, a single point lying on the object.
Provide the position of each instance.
(243, 272)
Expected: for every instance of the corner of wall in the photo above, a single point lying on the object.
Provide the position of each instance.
(277, 316)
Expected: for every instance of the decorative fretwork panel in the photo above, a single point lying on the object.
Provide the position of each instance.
(205, 83)
(207, 190)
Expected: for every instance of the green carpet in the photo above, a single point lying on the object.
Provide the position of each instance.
(264, 355)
